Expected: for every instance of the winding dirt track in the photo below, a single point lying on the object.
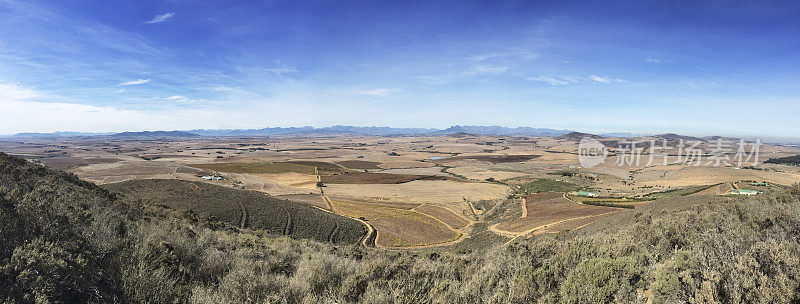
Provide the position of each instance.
(370, 230)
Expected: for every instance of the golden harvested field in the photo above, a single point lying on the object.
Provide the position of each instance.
(549, 208)
(695, 176)
(377, 178)
(438, 192)
(276, 184)
(482, 173)
(281, 167)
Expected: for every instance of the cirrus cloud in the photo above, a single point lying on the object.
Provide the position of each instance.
(160, 18)
(134, 82)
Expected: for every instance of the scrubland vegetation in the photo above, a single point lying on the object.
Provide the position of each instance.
(789, 160)
(245, 209)
(66, 241)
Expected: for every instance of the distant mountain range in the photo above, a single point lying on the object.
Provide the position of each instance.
(58, 134)
(377, 131)
(154, 134)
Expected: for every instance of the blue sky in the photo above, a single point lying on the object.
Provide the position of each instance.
(647, 67)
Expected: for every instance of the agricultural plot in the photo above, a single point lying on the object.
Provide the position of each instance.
(546, 209)
(129, 170)
(678, 192)
(418, 171)
(360, 164)
(719, 189)
(445, 215)
(398, 227)
(545, 185)
(494, 159)
(69, 162)
(481, 173)
(275, 167)
(421, 191)
(755, 185)
(246, 209)
(376, 178)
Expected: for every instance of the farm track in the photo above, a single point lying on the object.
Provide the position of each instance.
(515, 235)
(287, 230)
(332, 236)
(243, 221)
(456, 230)
(371, 235)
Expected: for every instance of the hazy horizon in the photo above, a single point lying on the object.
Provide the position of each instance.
(724, 68)
(632, 133)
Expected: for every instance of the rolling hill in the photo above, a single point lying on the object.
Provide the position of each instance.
(64, 240)
(245, 209)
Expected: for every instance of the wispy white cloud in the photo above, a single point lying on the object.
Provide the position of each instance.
(604, 79)
(471, 71)
(16, 92)
(653, 60)
(380, 91)
(518, 53)
(281, 71)
(134, 82)
(161, 18)
(175, 99)
(487, 69)
(557, 80)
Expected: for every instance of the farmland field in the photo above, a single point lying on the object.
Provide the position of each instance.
(549, 208)
(398, 227)
(281, 167)
(443, 214)
(377, 178)
(360, 164)
(415, 191)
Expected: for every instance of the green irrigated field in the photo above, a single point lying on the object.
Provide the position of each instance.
(545, 185)
(247, 209)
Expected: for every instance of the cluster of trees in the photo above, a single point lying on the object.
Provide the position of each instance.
(789, 160)
(65, 241)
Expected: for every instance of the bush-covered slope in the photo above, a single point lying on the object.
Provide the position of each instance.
(246, 209)
(64, 240)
